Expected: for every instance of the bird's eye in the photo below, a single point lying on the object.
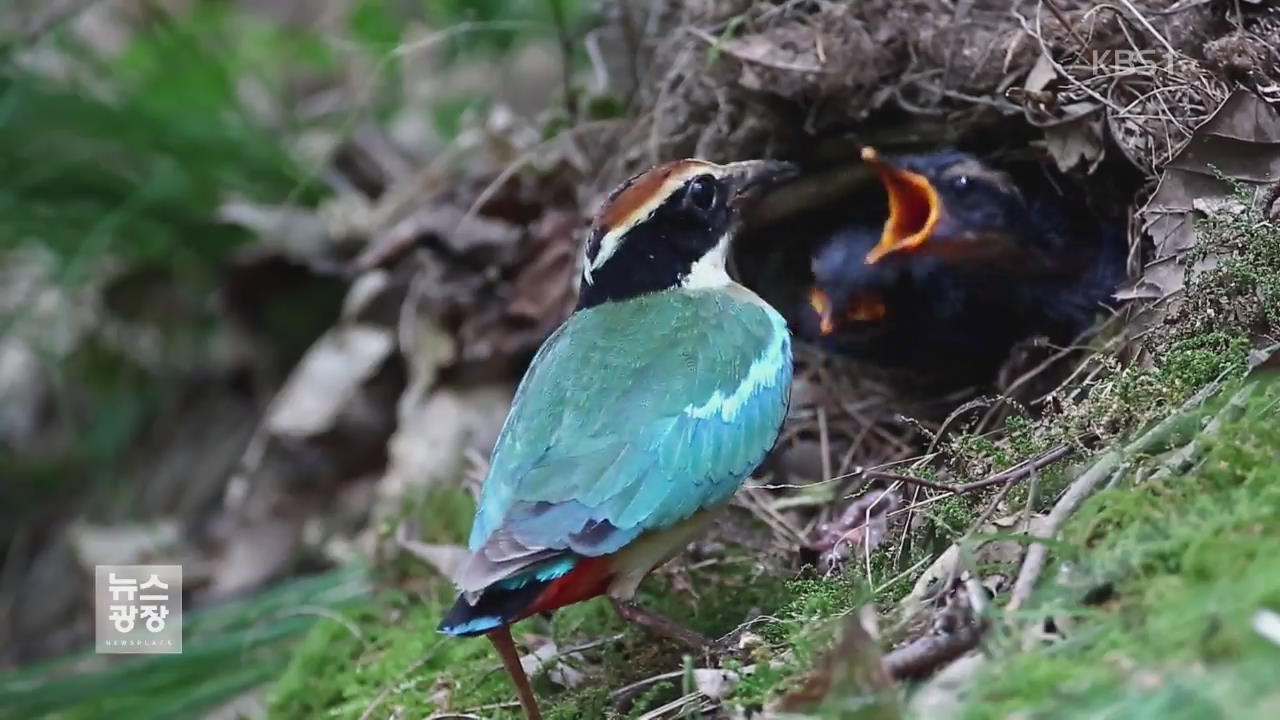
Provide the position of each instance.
(702, 192)
(960, 182)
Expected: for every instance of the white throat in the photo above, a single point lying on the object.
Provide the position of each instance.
(709, 270)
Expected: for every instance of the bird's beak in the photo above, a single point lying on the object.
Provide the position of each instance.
(821, 304)
(748, 178)
(866, 307)
(863, 308)
(915, 209)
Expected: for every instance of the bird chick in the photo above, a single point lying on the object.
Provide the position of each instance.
(637, 419)
(965, 265)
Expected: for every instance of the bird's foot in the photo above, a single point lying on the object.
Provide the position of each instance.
(506, 647)
(668, 628)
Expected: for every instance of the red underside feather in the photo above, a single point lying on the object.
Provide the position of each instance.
(588, 578)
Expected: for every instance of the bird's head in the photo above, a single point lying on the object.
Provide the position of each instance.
(846, 293)
(948, 205)
(670, 227)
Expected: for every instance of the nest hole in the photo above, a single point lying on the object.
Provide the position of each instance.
(858, 411)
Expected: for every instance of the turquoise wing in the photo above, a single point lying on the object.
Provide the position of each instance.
(633, 416)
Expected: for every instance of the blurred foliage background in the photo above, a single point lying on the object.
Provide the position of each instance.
(124, 127)
(143, 144)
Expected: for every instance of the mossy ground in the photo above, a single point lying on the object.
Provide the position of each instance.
(399, 658)
(389, 651)
(1185, 563)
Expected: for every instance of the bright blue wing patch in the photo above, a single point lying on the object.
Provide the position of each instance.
(558, 567)
(473, 626)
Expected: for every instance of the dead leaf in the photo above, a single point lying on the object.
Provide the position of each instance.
(1219, 206)
(297, 233)
(931, 581)
(716, 683)
(1161, 280)
(1040, 75)
(1246, 117)
(451, 227)
(427, 347)
(763, 49)
(149, 543)
(544, 288)
(1239, 160)
(434, 437)
(1238, 144)
(258, 551)
(1079, 140)
(326, 379)
(545, 655)
(444, 559)
(327, 426)
(541, 290)
(995, 557)
(860, 528)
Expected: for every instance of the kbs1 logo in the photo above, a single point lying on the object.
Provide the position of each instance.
(138, 608)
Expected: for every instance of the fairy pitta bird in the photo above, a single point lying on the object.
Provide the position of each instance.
(638, 418)
(966, 265)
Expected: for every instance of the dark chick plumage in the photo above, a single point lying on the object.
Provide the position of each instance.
(967, 264)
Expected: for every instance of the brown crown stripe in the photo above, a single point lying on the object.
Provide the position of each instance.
(639, 190)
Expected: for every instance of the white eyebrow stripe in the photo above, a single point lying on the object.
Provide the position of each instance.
(612, 240)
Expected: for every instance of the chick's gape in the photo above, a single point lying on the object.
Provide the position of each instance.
(637, 419)
(965, 265)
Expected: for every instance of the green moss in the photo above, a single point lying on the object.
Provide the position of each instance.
(972, 456)
(653, 697)
(1239, 293)
(806, 627)
(590, 702)
(1190, 560)
(445, 514)
(733, 589)
(398, 655)
(755, 689)
(953, 515)
(1197, 361)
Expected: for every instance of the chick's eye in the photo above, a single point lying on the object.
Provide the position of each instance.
(702, 192)
(960, 182)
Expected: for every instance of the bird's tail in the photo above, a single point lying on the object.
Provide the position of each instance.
(559, 581)
(496, 606)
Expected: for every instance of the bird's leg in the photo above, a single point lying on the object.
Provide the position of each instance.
(506, 647)
(631, 612)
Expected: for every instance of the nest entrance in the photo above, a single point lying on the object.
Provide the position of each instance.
(870, 416)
